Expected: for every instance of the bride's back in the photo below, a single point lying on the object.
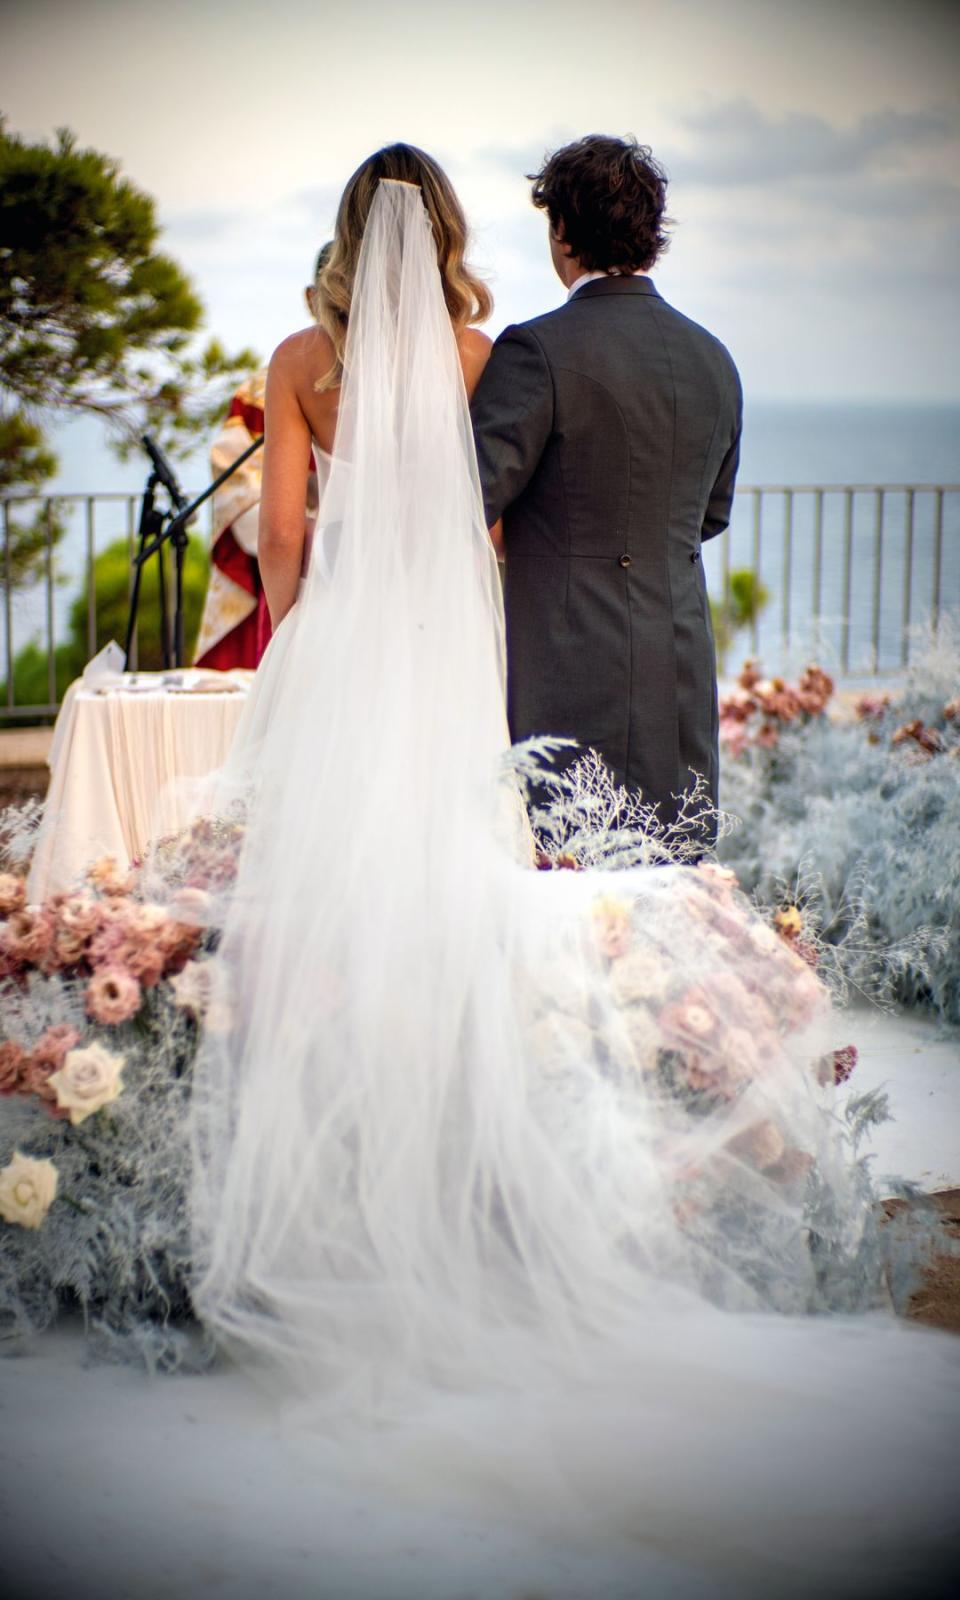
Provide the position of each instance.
(303, 360)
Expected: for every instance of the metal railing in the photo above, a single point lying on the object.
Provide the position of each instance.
(68, 568)
(851, 568)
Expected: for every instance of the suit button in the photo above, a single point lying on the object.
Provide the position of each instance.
(625, 561)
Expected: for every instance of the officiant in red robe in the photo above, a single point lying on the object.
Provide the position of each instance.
(235, 627)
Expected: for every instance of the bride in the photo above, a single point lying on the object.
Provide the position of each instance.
(535, 1167)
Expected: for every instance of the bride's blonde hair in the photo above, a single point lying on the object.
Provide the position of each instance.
(468, 299)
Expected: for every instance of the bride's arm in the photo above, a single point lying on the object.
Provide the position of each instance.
(286, 462)
(475, 350)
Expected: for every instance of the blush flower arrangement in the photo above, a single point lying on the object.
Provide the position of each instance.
(758, 709)
(97, 1041)
(857, 822)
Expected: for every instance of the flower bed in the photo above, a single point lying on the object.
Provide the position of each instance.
(857, 822)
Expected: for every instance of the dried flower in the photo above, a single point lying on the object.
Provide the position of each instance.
(12, 1058)
(733, 735)
(50, 1050)
(109, 877)
(612, 925)
(789, 922)
(113, 996)
(762, 1145)
(68, 949)
(191, 988)
(28, 1189)
(722, 878)
(13, 893)
(690, 1021)
(145, 960)
(844, 1062)
(928, 740)
(871, 707)
(88, 1080)
(190, 906)
(78, 914)
(28, 936)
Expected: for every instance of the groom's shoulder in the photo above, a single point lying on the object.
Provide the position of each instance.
(700, 335)
(552, 329)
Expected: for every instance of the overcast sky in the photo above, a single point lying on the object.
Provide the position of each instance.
(813, 148)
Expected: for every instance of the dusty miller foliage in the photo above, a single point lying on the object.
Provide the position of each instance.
(864, 833)
(116, 1240)
(115, 1243)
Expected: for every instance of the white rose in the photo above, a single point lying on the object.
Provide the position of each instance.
(88, 1080)
(28, 1189)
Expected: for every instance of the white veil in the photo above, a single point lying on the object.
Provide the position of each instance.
(433, 1147)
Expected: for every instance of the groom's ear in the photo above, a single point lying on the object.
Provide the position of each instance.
(558, 234)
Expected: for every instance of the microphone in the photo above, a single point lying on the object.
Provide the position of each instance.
(164, 471)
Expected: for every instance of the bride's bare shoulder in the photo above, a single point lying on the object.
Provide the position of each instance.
(305, 349)
(474, 348)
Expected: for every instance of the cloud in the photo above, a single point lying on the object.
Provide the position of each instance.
(736, 144)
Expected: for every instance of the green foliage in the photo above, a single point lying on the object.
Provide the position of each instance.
(746, 597)
(93, 318)
(111, 575)
(25, 464)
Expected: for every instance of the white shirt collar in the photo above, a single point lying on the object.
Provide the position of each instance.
(588, 277)
(585, 277)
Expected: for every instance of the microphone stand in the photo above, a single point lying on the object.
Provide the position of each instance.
(154, 535)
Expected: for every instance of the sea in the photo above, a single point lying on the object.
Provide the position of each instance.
(894, 587)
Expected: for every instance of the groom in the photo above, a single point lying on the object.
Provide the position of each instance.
(608, 436)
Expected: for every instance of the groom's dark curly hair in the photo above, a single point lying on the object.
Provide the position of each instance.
(605, 197)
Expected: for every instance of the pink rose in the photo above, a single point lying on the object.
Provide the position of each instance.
(113, 996)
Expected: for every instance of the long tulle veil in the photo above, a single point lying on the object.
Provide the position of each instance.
(542, 1141)
(367, 764)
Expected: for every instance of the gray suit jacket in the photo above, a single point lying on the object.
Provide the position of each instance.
(608, 436)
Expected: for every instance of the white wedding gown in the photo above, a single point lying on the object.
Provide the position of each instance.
(506, 1175)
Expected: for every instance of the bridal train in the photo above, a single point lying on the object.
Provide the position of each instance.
(524, 1184)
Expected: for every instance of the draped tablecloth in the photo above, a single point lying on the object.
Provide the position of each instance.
(118, 744)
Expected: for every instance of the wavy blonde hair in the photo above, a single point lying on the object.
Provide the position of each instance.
(467, 298)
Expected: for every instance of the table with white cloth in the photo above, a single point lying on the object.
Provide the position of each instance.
(120, 743)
